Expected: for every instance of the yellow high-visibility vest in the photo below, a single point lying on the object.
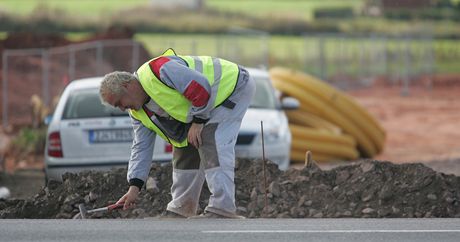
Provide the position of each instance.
(217, 71)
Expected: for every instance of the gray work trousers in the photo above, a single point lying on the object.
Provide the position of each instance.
(214, 160)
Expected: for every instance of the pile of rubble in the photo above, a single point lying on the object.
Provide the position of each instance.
(371, 189)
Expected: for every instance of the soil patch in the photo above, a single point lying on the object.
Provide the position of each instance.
(370, 188)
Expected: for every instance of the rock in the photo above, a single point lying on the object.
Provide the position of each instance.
(384, 212)
(242, 210)
(67, 208)
(367, 195)
(385, 193)
(4, 193)
(260, 202)
(283, 215)
(368, 211)
(253, 194)
(367, 166)
(93, 196)
(274, 189)
(342, 176)
(432, 196)
(139, 212)
(151, 185)
(301, 201)
(302, 179)
(318, 215)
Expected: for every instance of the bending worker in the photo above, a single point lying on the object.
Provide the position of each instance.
(196, 103)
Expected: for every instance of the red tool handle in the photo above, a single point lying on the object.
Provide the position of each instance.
(115, 206)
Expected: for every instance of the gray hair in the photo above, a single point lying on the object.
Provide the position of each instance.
(112, 83)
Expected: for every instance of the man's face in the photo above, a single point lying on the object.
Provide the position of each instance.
(128, 99)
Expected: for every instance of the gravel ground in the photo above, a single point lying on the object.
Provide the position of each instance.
(368, 188)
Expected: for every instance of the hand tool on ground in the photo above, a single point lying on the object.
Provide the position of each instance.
(84, 212)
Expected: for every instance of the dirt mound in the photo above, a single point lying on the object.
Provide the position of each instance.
(362, 189)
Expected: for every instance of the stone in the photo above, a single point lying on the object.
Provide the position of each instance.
(367, 166)
(368, 211)
(151, 185)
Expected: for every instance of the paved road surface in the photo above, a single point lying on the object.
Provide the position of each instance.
(221, 230)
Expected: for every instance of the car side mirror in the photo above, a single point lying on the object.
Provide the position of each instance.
(47, 119)
(290, 103)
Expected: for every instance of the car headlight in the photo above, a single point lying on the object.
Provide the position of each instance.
(276, 133)
(272, 135)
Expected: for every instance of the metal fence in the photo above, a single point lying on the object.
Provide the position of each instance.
(342, 60)
(351, 61)
(46, 72)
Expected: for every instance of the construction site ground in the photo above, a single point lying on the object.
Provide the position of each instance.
(421, 127)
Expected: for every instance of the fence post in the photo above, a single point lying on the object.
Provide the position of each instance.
(407, 64)
(429, 61)
(5, 87)
(194, 48)
(219, 47)
(384, 56)
(321, 57)
(265, 50)
(135, 57)
(45, 77)
(99, 55)
(71, 64)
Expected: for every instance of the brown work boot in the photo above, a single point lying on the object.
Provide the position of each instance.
(170, 214)
(211, 215)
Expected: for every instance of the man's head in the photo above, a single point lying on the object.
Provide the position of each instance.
(122, 90)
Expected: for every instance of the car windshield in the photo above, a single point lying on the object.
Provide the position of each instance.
(86, 103)
(264, 97)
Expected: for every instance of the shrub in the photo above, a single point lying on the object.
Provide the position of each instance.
(340, 13)
(29, 142)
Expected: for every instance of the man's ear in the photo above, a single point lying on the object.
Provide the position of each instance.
(125, 85)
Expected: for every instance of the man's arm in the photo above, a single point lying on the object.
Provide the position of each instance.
(141, 154)
(139, 163)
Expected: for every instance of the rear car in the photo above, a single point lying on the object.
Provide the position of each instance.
(267, 108)
(85, 134)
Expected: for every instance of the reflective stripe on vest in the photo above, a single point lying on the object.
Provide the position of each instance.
(221, 74)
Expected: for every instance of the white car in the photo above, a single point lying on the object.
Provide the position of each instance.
(85, 134)
(268, 110)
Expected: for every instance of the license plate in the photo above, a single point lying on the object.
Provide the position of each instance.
(111, 136)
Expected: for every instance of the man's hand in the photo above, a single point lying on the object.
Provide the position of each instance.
(194, 134)
(129, 198)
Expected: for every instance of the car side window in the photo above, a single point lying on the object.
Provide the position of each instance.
(265, 94)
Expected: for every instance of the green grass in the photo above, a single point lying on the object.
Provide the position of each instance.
(289, 8)
(93, 8)
(3, 35)
(77, 36)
